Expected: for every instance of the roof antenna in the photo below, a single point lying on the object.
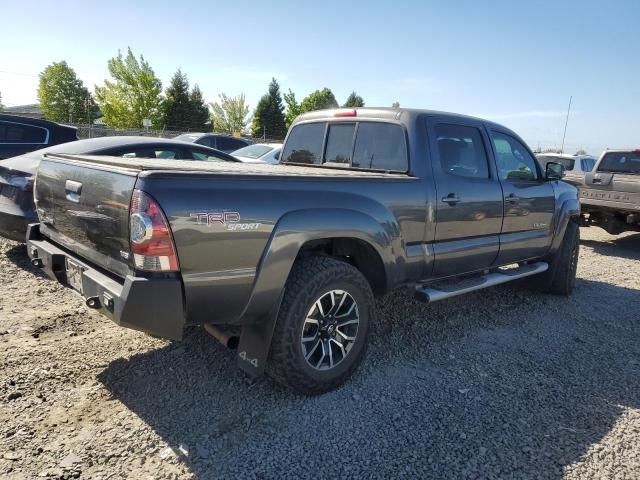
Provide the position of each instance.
(565, 124)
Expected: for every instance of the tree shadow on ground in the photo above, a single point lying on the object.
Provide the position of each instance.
(623, 247)
(503, 383)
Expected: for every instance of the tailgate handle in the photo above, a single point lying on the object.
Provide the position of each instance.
(596, 180)
(73, 190)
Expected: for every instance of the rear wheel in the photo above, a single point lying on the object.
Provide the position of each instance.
(561, 276)
(321, 332)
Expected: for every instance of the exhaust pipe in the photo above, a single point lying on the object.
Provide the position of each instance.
(229, 341)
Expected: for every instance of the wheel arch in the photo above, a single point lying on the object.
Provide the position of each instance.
(342, 233)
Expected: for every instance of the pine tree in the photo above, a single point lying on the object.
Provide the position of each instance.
(184, 110)
(199, 119)
(354, 100)
(178, 104)
(268, 118)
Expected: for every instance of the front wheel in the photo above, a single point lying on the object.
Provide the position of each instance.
(323, 323)
(561, 276)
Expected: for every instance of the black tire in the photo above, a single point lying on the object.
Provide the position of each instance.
(560, 278)
(310, 280)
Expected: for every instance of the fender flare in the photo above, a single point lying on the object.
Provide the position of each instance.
(296, 228)
(569, 209)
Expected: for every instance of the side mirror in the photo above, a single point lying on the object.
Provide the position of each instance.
(554, 171)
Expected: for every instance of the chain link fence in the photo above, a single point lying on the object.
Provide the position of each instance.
(85, 130)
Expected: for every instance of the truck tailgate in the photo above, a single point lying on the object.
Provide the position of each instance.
(85, 207)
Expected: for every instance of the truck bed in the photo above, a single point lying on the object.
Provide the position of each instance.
(136, 165)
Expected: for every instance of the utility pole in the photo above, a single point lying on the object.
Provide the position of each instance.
(565, 124)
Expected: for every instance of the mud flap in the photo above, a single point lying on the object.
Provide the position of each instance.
(255, 343)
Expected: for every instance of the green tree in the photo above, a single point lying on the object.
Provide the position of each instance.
(395, 105)
(133, 95)
(184, 110)
(318, 100)
(581, 152)
(229, 115)
(62, 96)
(293, 107)
(199, 119)
(177, 105)
(354, 100)
(268, 119)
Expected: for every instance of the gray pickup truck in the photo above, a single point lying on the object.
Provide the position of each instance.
(290, 256)
(610, 194)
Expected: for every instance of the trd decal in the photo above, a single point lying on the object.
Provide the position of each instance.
(229, 220)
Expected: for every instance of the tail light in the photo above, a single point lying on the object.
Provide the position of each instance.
(150, 236)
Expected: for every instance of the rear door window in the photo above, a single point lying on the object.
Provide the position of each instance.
(339, 143)
(304, 144)
(380, 146)
(11, 132)
(461, 150)
(620, 162)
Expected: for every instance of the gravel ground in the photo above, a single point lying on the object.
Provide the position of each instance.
(504, 383)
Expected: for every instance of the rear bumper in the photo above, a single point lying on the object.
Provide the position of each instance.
(154, 306)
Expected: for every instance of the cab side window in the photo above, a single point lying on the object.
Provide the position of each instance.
(514, 161)
(461, 151)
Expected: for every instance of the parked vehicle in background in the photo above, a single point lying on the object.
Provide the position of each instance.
(259, 152)
(224, 143)
(575, 165)
(610, 194)
(17, 174)
(363, 201)
(20, 135)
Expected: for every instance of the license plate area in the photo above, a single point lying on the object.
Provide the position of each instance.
(74, 274)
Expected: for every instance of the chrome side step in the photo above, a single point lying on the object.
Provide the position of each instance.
(437, 292)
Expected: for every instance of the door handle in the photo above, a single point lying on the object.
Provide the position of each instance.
(596, 180)
(73, 190)
(451, 199)
(512, 198)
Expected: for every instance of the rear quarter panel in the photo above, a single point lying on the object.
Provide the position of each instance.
(224, 226)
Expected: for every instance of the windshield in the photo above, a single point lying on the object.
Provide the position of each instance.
(620, 162)
(253, 151)
(567, 163)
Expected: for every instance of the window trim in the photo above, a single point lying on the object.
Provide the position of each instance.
(484, 146)
(536, 162)
(46, 136)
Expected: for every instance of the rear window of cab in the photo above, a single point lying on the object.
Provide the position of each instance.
(362, 145)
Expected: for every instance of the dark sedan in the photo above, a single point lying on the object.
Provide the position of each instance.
(19, 135)
(17, 174)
